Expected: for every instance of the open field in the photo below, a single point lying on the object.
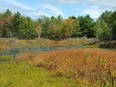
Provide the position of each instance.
(95, 66)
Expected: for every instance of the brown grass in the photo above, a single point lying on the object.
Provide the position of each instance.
(26, 56)
(71, 42)
(12, 42)
(3, 47)
(6, 44)
(92, 64)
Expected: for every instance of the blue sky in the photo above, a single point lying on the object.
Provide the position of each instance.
(66, 8)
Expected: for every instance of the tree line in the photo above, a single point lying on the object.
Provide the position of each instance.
(57, 28)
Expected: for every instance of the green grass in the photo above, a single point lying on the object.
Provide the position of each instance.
(5, 58)
(22, 74)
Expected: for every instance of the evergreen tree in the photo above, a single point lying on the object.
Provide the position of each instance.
(86, 26)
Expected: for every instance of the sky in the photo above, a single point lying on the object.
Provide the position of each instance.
(65, 8)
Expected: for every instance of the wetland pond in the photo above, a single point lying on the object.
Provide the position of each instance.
(16, 51)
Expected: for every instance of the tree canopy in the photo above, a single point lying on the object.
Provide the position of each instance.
(57, 28)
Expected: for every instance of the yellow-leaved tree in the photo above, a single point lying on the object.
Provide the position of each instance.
(68, 28)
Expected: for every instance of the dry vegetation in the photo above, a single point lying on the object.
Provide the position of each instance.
(12, 42)
(3, 47)
(26, 56)
(6, 44)
(71, 42)
(90, 64)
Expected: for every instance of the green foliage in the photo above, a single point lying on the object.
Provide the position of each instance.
(57, 28)
(102, 30)
(7, 13)
(113, 24)
(103, 26)
(86, 26)
(23, 27)
(45, 26)
(16, 24)
(26, 29)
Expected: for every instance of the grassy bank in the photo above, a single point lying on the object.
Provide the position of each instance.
(109, 45)
(6, 44)
(22, 74)
(95, 66)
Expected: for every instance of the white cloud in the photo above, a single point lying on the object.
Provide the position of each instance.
(17, 4)
(48, 9)
(68, 2)
(92, 12)
(52, 9)
(107, 3)
(26, 10)
(38, 14)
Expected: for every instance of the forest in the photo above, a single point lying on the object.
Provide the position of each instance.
(58, 28)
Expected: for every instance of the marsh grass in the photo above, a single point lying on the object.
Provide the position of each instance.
(3, 48)
(6, 44)
(25, 56)
(22, 74)
(5, 58)
(86, 64)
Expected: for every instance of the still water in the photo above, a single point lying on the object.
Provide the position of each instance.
(16, 51)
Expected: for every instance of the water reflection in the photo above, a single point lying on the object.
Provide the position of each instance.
(15, 51)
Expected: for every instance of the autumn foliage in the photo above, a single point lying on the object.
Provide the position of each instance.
(92, 64)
